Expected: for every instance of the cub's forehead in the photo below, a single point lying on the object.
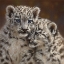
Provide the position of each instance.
(23, 9)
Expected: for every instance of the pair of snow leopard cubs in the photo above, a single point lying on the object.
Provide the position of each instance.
(28, 39)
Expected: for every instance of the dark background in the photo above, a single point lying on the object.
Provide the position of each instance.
(50, 9)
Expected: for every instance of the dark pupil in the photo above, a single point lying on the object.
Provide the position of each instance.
(29, 21)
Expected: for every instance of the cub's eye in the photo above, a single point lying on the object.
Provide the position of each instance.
(18, 20)
(30, 21)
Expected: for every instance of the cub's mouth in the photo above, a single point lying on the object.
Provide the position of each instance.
(32, 44)
(23, 33)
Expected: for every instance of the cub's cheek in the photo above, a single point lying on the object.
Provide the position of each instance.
(36, 43)
(39, 42)
(33, 27)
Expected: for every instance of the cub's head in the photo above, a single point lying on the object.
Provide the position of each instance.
(21, 19)
(44, 34)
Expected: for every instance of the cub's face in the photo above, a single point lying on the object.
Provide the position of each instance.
(43, 35)
(21, 19)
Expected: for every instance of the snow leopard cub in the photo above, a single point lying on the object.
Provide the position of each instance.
(14, 49)
(48, 42)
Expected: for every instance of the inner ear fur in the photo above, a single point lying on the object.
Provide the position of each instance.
(10, 10)
(36, 11)
(52, 27)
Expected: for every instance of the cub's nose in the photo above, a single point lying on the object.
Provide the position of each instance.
(24, 30)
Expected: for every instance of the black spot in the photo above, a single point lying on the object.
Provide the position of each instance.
(54, 54)
(20, 32)
(11, 60)
(53, 42)
(25, 55)
(16, 58)
(10, 36)
(53, 59)
(28, 59)
(30, 63)
(59, 61)
(22, 46)
(1, 46)
(32, 54)
(41, 53)
(49, 50)
(22, 39)
(61, 50)
(2, 60)
(51, 55)
(2, 40)
(30, 51)
(7, 43)
(7, 28)
(0, 54)
(6, 63)
(39, 50)
(0, 51)
(43, 44)
(39, 18)
(5, 32)
(48, 59)
(7, 58)
(25, 44)
(7, 52)
(55, 48)
(62, 56)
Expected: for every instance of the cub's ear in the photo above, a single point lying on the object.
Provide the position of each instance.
(10, 10)
(52, 27)
(36, 11)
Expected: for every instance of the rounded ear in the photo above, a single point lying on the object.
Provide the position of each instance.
(52, 27)
(36, 12)
(10, 10)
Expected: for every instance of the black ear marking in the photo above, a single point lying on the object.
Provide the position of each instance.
(36, 12)
(52, 27)
(10, 10)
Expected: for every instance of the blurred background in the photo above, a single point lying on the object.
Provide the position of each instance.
(50, 9)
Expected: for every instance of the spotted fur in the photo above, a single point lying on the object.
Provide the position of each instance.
(28, 39)
(14, 49)
(48, 42)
